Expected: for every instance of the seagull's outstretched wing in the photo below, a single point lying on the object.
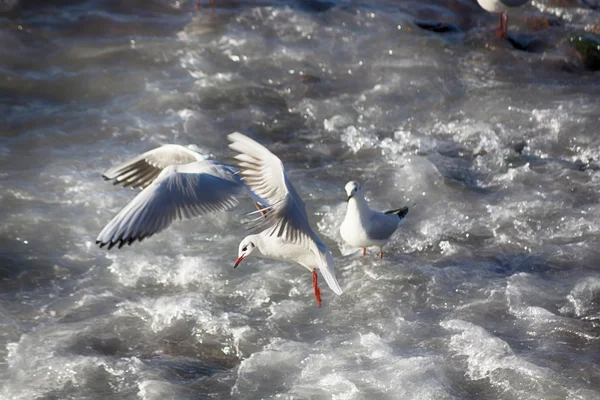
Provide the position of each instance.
(175, 191)
(263, 172)
(140, 171)
(178, 192)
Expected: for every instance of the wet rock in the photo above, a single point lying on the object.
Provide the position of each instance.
(456, 17)
(310, 79)
(8, 5)
(438, 27)
(564, 3)
(106, 346)
(316, 5)
(519, 146)
(527, 43)
(593, 4)
(587, 47)
(540, 23)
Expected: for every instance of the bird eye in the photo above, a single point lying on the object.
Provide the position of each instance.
(244, 248)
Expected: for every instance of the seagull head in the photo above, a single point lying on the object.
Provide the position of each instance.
(246, 248)
(351, 188)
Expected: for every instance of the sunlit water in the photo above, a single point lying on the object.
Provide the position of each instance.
(490, 289)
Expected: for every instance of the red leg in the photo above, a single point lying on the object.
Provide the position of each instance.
(500, 28)
(364, 251)
(381, 254)
(197, 6)
(316, 287)
(505, 26)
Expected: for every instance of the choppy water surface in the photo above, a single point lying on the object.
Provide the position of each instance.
(490, 289)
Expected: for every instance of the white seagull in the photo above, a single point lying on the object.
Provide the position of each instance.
(178, 182)
(363, 227)
(288, 235)
(501, 7)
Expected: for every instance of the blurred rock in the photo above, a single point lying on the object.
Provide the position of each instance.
(531, 44)
(587, 47)
(8, 5)
(539, 23)
(438, 27)
(310, 79)
(593, 4)
(563, 3)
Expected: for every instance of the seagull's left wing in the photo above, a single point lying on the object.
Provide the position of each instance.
(179, 191)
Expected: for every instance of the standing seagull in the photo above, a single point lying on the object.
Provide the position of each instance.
(501, 7)
(178, 182)
(363, 227)
(288, 235)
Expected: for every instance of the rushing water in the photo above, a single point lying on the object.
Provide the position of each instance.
(489, 290)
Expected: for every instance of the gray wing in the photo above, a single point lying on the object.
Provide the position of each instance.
(140, 171)
(182, 191)
(382, 226)
(263, 172)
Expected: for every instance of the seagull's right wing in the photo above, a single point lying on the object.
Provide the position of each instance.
(140, 171)
(381, 226)
(182, 191)
(263, 172)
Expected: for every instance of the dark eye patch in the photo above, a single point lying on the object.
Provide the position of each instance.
(244, 248)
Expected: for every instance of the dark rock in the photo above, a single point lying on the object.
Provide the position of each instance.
(539, 23)
(316, 6)
(587, 47)
(593, 4)
(520, 146)
(310, 79)
(8, 5)
(438, 27)
(528, 44)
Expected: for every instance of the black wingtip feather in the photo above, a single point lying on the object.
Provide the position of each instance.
(400, 212)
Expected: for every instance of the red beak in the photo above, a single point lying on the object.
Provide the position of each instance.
(238, 261)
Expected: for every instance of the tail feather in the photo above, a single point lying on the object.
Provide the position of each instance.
(400, 212)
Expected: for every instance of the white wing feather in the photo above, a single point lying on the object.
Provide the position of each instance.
(263, 172)
(140, 171)
(326, 267)
(179, 191)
